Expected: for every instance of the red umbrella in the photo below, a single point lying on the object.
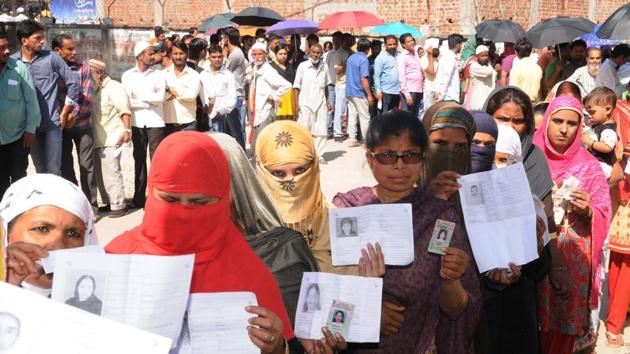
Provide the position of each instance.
(350, 19)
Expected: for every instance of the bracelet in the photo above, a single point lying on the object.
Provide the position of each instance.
(592, 143)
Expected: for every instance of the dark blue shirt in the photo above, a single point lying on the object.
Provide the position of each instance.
(46, 70)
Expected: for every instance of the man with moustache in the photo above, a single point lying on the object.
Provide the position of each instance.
(311, 88)
(146, 88)
(483, 77)
(219, 96)
(182, 88)
(266, 89)
(585, 76)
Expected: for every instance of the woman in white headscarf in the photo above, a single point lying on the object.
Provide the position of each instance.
(508, 148)
(41, 213)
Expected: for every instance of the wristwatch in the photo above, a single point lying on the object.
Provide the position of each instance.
(128, 130)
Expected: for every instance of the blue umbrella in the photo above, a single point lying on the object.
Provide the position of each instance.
(396, 29)
(291, 27)
(592, 40)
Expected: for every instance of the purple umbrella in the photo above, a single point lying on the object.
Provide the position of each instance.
(291, 27)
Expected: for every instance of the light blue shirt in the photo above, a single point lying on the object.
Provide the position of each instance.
(386, 73)
(19, 107)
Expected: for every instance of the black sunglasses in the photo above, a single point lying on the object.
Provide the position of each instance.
(390, 158)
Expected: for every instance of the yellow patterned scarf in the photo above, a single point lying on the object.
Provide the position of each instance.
(299, 200)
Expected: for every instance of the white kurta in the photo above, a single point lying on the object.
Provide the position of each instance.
(266, 84)
(312, 82)
(482, 82)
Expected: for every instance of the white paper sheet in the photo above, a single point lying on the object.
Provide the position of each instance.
(319, 290)
(49, 262)
(388, 224)
(44, 326)
(432, 43)
(500, 217)
(147, 292)
(217, 323)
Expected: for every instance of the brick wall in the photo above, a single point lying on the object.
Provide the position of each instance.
(437, 16)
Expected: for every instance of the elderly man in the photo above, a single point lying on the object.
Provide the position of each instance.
(145, 87)
(266, 87)
(311, 87)
(112, 129)
(483, 77)
(585, 76)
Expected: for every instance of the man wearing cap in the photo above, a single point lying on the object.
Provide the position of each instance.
(266, 89)
(526, 74)
(483, 77)
(146, 89)
(20, 116)
(160, 34)
(112, 127)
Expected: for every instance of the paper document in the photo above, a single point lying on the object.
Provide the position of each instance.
(500, 217)
(49, 262)
(147, 292)
(217, 323)
(320, 291)
(33, 324)
(388, 224)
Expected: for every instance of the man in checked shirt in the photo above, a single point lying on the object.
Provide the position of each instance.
(79, 131)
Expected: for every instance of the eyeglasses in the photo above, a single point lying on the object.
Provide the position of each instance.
(390, 158)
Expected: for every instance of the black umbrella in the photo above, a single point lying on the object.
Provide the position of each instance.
(561, 29)
(217, 21)
(617, 26)
(257, 16)
(500, 31)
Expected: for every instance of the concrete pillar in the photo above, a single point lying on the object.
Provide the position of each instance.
(468, 16)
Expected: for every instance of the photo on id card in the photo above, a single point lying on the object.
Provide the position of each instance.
(441, 236)
(339, 317)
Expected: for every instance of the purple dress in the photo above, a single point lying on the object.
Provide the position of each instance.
(417, 285)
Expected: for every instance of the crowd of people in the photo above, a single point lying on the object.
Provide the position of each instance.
(248, 201)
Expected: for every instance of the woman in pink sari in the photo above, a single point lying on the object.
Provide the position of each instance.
(583, 219)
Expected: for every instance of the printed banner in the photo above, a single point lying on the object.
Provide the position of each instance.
(73, 11)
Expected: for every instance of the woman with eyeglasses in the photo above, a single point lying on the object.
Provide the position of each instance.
(431, 305)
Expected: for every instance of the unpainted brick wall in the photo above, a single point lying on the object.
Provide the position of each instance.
(443, 16)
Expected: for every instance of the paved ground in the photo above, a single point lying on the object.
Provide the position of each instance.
(346, 169)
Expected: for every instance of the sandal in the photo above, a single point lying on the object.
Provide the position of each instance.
(614, 340)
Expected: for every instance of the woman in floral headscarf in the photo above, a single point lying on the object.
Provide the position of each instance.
(583, 219)
(288, 167)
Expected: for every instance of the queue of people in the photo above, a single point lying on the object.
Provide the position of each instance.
(189, 105)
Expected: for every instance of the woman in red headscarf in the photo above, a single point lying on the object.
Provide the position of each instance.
(188, 211)
(583, 219)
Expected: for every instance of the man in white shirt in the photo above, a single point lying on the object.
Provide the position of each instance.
(146, 90)
(608, 75)
(329, 60)
(182, 88)
(219, 95)
(448, 84)
(311, 87)
(483, 78)
(265, 90)
(585, 76)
